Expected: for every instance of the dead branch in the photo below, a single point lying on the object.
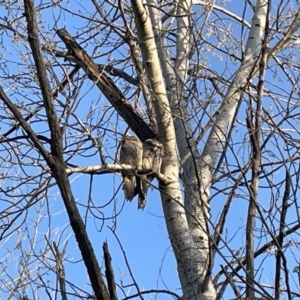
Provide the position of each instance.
(109, 272)
(107, 87)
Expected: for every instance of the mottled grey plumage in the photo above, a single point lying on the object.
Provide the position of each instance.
(131, 153)
(152, 159)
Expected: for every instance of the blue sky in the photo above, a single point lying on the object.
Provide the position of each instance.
(142, 234)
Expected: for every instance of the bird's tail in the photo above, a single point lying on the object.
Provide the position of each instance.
(129, 187)
(142, 202)
(142, 187)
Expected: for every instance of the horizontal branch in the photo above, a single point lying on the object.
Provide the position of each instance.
(111, 168)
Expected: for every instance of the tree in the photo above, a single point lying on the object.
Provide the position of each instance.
(219, 92)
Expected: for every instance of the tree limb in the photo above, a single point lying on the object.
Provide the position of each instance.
(56, 160)
(107, 87)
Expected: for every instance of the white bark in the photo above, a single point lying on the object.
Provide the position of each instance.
(190, 261)
(217, 137)
(196, 214)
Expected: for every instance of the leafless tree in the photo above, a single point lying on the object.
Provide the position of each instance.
(215, 82)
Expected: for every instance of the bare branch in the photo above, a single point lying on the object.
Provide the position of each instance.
(110, 277)
(108, 88)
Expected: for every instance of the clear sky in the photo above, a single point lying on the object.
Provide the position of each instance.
(142, 234)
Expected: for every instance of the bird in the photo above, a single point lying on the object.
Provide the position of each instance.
(131, 153)
(152, 158)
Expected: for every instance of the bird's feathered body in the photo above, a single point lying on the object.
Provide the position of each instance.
(131, 153)
(152, 159)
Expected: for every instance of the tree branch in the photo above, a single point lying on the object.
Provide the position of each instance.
(56, 160)
(109, 272)
(33, 39)
(107, 87)
(109, 168)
